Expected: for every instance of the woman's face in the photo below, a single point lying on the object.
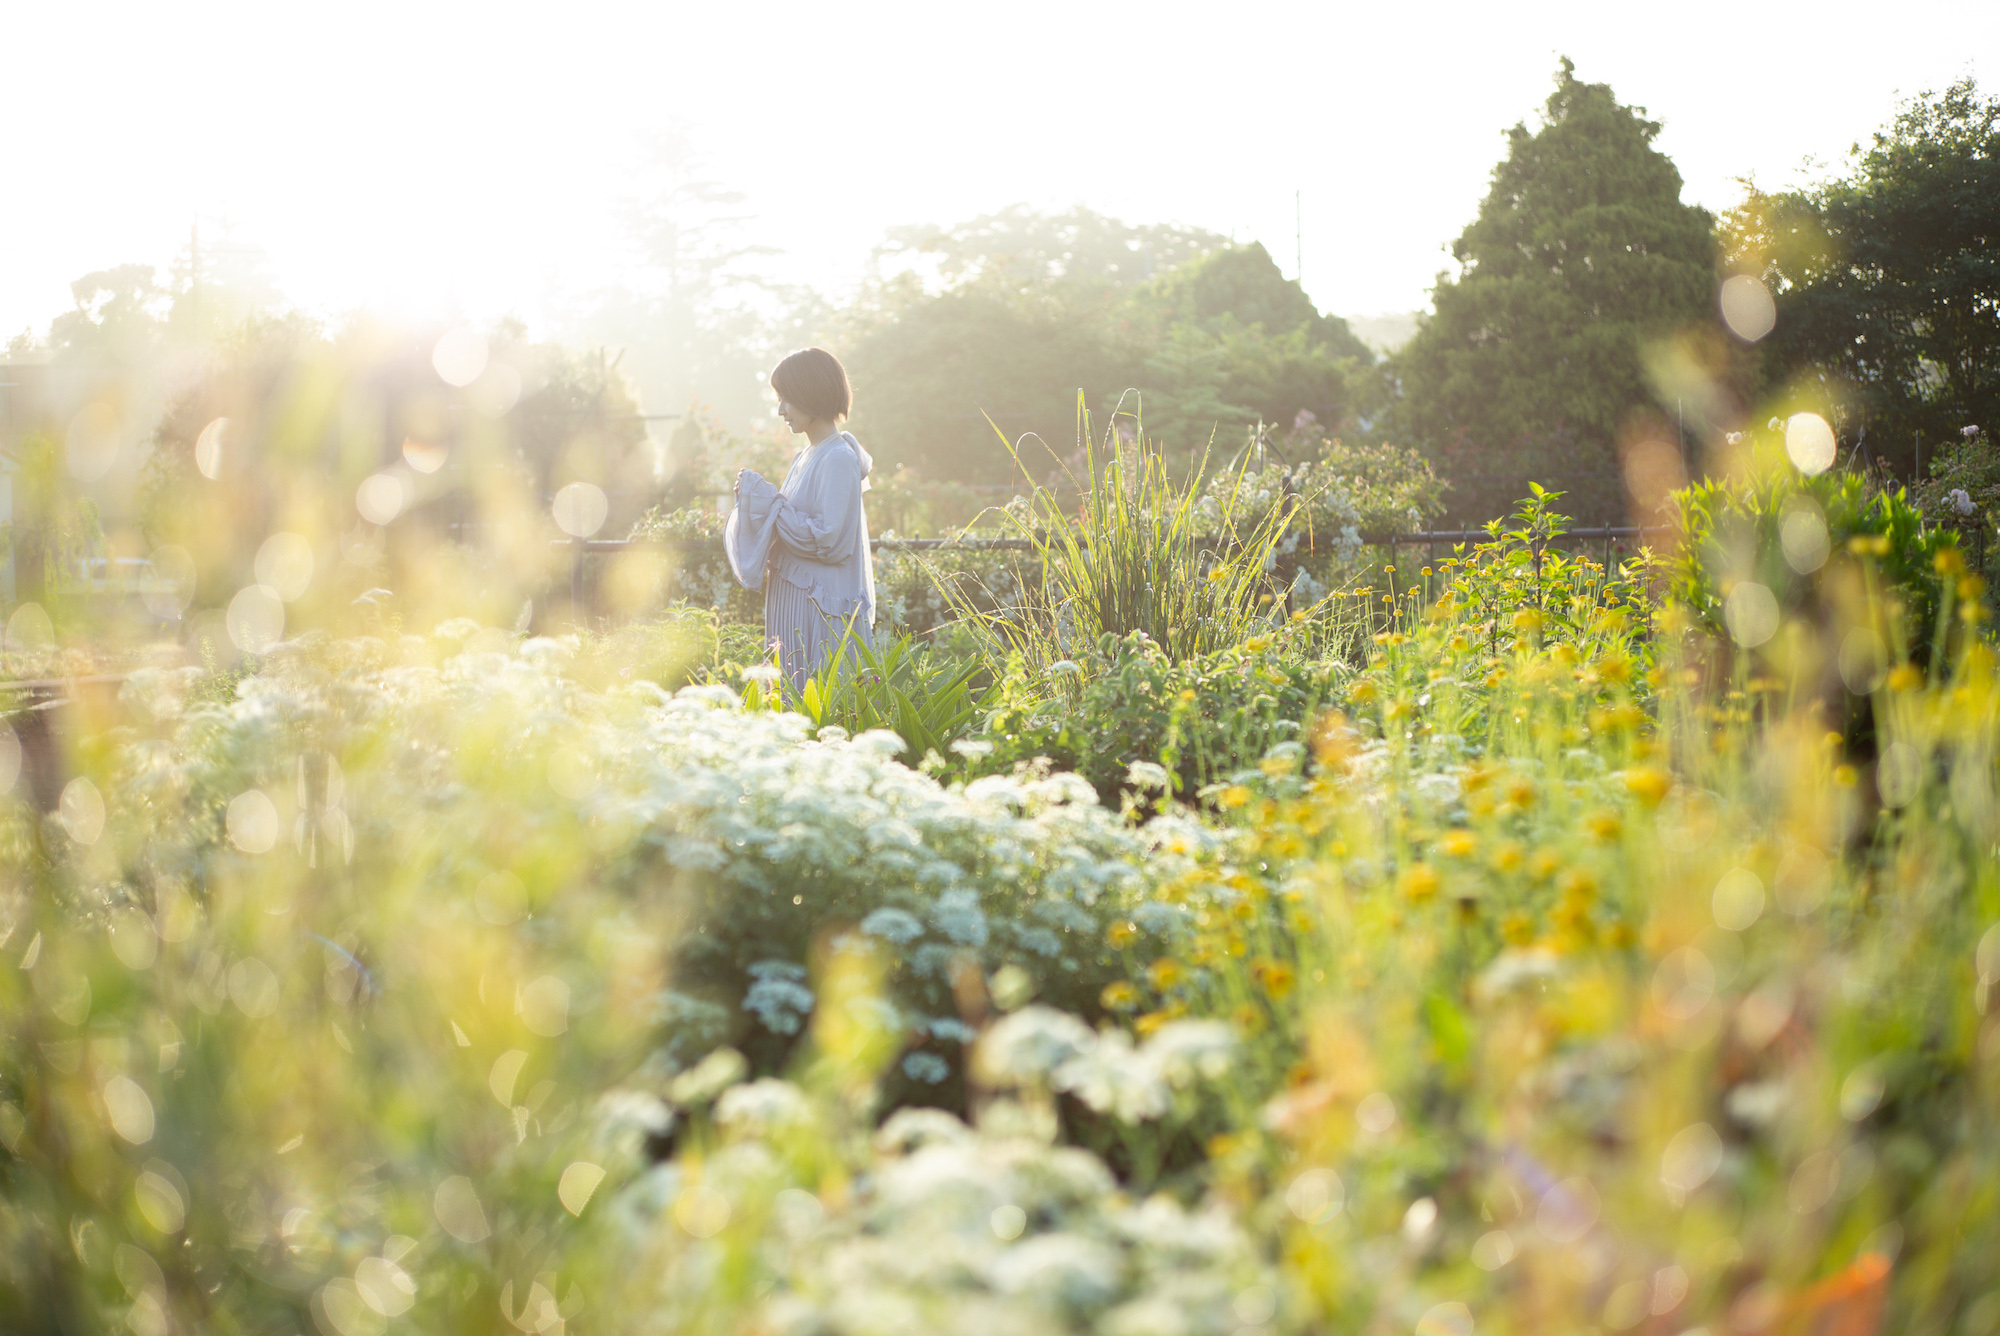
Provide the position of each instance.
(795, 418)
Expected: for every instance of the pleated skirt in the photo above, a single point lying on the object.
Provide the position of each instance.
(803, 637)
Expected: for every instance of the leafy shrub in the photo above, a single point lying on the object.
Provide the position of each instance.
(925, 697)
(1193, 723)
(1780, 543)
(1963, 493)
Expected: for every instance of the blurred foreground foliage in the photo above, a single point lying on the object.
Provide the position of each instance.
(1540, 952)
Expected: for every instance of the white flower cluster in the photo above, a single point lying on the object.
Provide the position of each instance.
(776, 832)
(949, 1229)
(1040, 1046)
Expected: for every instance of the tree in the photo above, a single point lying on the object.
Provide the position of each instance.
(930, 369)
(1887, 280)
(1533, 359)
(1233, 342)
(1035, 308)
(691, 318)
(1019, 250)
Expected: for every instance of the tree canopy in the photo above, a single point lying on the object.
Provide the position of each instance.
(1887, 280)
(1581, 255)
(1025, 310)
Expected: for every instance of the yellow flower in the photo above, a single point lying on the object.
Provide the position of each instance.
(1363, 691)
(1121, 934)
(1528, 621)
(1648, 783)
(1578, 886)
(1419, 881)
(1165, 973)
(1604, 826)
(1904, 677)
(1544, 864)
(1948, 561)
(1460, 843)
(1119, 996)
(1232, 797)
(1518, 929)
(1507, 857)
(1845, 776)
(1521, 792)
(1276, 977)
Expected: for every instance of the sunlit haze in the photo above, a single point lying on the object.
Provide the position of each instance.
(470, 159)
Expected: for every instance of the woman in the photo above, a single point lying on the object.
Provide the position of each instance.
(806, 542)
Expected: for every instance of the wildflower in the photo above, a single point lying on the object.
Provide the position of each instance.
(1029, 1044)
(1166, 973)
(1845, 776)
(760, 1108)
(1544, 864)
(1232, 797)
(1507, 856)
(893, 925)
(1460, 843)
(1517, 929)
(1904, 677)
(1578, 886)
(1603, 825)
(1119, 996)
(1961, 502)
(1948, 561)
(1649, 784)
(1187, 1049)
(1521, 793)
(1419, 881)
(1968, 432)
(1276, 977)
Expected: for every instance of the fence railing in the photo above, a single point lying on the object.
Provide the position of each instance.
(1432, 539)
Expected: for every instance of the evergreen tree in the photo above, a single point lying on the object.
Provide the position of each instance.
(1581, 255)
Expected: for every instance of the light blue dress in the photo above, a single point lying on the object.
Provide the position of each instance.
(806, 544)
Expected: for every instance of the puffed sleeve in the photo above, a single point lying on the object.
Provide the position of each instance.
(824, 524)
(747, 536)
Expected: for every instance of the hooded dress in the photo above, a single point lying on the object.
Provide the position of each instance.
(806, 545)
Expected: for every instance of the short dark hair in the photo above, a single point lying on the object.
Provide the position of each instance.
(814, 379)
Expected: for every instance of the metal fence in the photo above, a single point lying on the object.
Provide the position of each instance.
(1433, 540)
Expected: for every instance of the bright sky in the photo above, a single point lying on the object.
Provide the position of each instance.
(431, 159)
